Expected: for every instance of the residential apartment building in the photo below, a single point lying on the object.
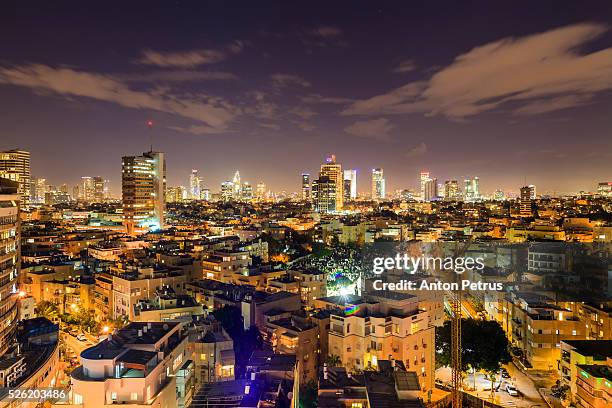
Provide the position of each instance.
(143, 364)
(388, 326)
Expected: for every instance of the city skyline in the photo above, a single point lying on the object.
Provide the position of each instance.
(265, 93)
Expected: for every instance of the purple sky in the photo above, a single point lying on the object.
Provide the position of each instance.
(506, 92)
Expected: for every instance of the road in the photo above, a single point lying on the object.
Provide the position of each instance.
(528, 398)
(76, 345)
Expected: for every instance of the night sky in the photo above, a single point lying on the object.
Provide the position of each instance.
(507, 91)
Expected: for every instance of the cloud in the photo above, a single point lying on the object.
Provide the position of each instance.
(198, 129)
(272, 126)
(285, 80)
(189, 59)
(418, 150)
(405, 66)
(177, 76)
(323, 36)
(377, 129)
(303, 112)
(316, 99)
(326, 31)
(214, 112)
(530, 75)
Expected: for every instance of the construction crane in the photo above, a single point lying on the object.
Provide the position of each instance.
(455, 306)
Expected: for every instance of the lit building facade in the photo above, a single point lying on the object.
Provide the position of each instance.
(9, 260)
(306, 186)
(350, 176)
(378, 184)
(324, 195)
(15, 165)
(143, 191)
(333, 171)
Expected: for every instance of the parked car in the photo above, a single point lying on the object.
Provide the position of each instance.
(81, 337)
(511, 389)
(505, 373)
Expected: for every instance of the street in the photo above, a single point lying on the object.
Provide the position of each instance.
(528, 393)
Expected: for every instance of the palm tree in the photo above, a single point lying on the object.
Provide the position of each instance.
(48, 310)
(333, 360)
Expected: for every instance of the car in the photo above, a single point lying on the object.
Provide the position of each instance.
(505, 373)
(511, 389)
(81, 337)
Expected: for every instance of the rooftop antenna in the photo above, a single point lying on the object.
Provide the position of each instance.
(150, 126)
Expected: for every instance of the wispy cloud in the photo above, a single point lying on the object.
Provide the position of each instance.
(198, 129)
(418, 150)
(405, 66)
(317, 98)
(530, 75)
(190, 58)
(285, 80)
(324, 36)
(176, 76)
(377, 129)
(214, 112)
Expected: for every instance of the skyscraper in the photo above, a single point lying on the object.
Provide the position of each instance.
(39, 188)
(237, 185)
(378, 184)
(260, 191)
(528, 194)
(333, 171)
(99, 189)
(471, 191)
(324, 192)
(351, 176)
(306, 186)
(15, 165)
(430, 192)
(143, 191)
(227, 190)
(451, 190)
(9, 260)
(87, 189)
(424, 178)
(195, 185)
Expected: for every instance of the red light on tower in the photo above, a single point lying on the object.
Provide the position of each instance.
(150, 123)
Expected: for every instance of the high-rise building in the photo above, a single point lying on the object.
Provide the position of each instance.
(15, 166)
(87, 189)
(39, 188)
(471, 190)
(247, 191)
(351, 175)
(430, 192)
(195, 185)
(324, 192)
(205, 194)
(526, 200)
(260, 191)
(143, 190)
(227, 190)
(175, 194)
(423, 178)
(100, 189)
(333, 172)
(346, 190)
(9, 260)
(378, 184)
(306, 186)
(237, 186)
(451, 190)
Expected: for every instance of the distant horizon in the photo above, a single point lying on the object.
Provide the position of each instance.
(272, 90)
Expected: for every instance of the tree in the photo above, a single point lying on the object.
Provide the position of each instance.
(333, 360)
(484, 346)
(47, 309)
(308, 396)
